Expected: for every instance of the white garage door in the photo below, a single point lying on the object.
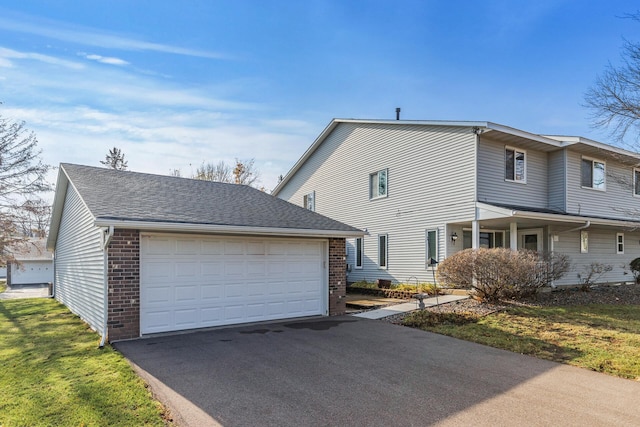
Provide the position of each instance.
(191, 282)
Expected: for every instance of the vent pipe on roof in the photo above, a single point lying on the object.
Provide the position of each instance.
(397, 113)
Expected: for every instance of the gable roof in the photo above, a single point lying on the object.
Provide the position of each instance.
(157, 202)
(500, 132)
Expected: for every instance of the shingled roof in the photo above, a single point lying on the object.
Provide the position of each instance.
(140, 200)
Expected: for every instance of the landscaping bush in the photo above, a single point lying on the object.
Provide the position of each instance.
(499, 273)
(635, 269)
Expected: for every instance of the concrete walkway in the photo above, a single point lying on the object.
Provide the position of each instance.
(408, 306)
(26, 291)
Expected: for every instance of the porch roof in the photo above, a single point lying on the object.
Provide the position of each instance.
(495, 211)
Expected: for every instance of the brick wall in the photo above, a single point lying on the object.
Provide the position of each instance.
(337, 277)
(123, 270)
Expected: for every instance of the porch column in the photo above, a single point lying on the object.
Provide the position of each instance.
(513, 236)
(475, 234)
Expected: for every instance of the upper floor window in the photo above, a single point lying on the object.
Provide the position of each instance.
(378, 184)
(310, 201)
(593, 173)
(514, 165)
(636, 182)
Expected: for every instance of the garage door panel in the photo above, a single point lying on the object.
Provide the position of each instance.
(195, 281)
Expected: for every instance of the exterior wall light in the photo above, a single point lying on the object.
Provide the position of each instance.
(454, 237)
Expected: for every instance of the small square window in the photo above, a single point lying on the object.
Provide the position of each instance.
(515, 165)
(378, 184)
(310, 201)
(620, 243)
(383, 246)
(592, 174)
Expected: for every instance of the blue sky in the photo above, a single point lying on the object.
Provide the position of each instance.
(177, 83)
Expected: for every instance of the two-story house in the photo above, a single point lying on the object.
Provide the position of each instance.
(424, 190)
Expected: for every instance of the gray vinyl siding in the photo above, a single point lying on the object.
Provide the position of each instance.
(617, 201)
(602, 249)
(492, 186)
(79, 262)
(557, 180)
(431, 181)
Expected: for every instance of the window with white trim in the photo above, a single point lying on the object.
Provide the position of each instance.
(383, 250)
(431, 247)
(636, 182)
(309, 201)
(515, 165)
(592, 174)
(359, 252)
(620, 243)
(378, 184)
(584, 242)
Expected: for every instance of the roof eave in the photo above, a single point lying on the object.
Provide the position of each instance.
(62, 184)
(225, 229)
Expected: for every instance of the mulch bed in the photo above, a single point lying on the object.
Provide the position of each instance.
(606, 294)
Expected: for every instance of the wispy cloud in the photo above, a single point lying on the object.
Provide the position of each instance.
(104, 59)
(7, 54)
(92, 37)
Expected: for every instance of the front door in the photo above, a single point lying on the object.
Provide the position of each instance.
(530, 240)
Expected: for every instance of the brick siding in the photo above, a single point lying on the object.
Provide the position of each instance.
(123, 269)
(337, 277)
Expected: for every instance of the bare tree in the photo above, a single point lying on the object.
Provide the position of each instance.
(175, 172)
(22, 178)
(244, 172)
(115, 160)
(33, 218)
(220, 172)
(614, 99)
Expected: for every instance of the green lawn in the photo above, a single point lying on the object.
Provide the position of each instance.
(52, 372)
(604, 338)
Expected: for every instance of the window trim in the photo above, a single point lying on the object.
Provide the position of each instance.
(386, 251)
(584, 242)
(386, 188)
(636, 183)
(619, 243)
(360, 258)
(604, 178)
(306, 198)
(515, 150)
(427, 253)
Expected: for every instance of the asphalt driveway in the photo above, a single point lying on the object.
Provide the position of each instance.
(344, 371)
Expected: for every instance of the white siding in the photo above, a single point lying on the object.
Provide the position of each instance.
(557, 180)
(602, 249)
(492, 186)
(79, 262)
(431, 181)
(32, 272)
(611, 203)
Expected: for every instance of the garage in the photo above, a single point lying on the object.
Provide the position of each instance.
(189, 282)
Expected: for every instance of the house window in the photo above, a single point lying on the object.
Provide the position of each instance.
(514, 167)
(593, 173)
(620, 243)
(378, 184)
(584, 242)
(383, 247)
(310, 201)
(431, 247)
(488, 239)
(636, 182)
(359, 252)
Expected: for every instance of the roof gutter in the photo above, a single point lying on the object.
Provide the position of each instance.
(225, 229)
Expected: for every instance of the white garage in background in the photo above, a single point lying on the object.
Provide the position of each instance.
(189, 282)
(34, 263)
(138, 254)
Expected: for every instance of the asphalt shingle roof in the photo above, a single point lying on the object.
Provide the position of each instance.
(133, 196)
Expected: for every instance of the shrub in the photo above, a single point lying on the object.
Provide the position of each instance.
(635, 269)
(499, 273)
(591, 273)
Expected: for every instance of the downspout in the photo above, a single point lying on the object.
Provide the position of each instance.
(107, 235)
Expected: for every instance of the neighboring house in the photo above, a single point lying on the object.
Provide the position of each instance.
(34, 263)
(427, 189)
(138, 254)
